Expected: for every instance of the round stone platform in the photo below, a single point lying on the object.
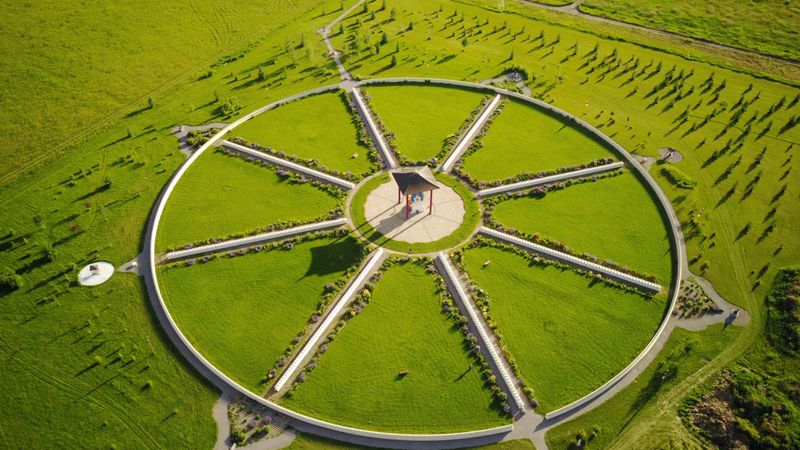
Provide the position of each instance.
(389, 218)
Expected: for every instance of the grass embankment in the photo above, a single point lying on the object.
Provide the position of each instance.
(241, 313)
(421, 118)
(534, 140)
(764, 26)
(401, 329)
(97, 369)
(613, 218)
(684, 353)
(318, 127)
(472, 217)
(568, 333)
(222, 195)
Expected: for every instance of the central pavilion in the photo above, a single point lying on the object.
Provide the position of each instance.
(413, 184)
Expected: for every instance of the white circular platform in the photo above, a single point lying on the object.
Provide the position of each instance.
(389, 218)
(101, 273)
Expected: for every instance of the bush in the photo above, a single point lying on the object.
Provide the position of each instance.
(10, 281)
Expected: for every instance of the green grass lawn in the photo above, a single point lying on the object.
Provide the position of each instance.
(222, 195)
(318, 127)
(568, 334)
(768, 26)
(472, 217)
(686, 349)
(421, 118)
(241, 313)
(110, 58)
(402, 329)
(613, 218)
(534, 141)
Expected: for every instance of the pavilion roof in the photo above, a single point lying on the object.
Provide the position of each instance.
(415, 180)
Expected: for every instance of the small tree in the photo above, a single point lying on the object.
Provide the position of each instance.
(261, 76)
(464, 42)
(302, 41)
(394, 60)
(10, 281)
(230, 107)
(150, 103)
(384, 38)
(393, 14)
(410, 26)
(366, 8)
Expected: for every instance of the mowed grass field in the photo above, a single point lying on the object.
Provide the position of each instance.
(568, 334)
(68, 67)
(422, 117)
(612, 218)
(402, 329)
(318, 127)
(241, 313)
(222, 195)
(534, 141)
(768, 26)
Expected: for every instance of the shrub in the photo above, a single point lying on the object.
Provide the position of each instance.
(10, 281)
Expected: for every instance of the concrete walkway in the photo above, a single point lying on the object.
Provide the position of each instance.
(389, 218)
(466, 140)
(331, 317)
(231, 244)
(375, 134)
(572, 260)
(286, 164)
(581, 173)
(487, 341)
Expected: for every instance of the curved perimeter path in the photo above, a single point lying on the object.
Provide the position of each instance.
(531, 426)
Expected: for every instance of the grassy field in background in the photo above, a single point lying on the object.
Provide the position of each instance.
(75, 66)
(421, 118)
(568, 334)
(472, 217)
(241, 313)
(686, 350)
(318, 127)
(613, 218)
(222, 195)
(768, 26)
(401, 329)
(57, 339)
(534, 141)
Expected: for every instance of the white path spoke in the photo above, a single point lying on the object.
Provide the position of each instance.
(321, 176)
(574, 260)
(463, 144)
(499, 363)
(372, 129)
(332, 315)
(252, 240)
(550, 179)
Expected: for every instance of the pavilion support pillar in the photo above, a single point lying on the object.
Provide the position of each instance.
(398, 196)
(408, 207)
(430, 207)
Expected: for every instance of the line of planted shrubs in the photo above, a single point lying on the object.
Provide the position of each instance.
(449, 309)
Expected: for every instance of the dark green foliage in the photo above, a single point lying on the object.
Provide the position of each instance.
(10, 281)
(783, 320)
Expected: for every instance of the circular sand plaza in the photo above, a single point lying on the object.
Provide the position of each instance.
(403, 283)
